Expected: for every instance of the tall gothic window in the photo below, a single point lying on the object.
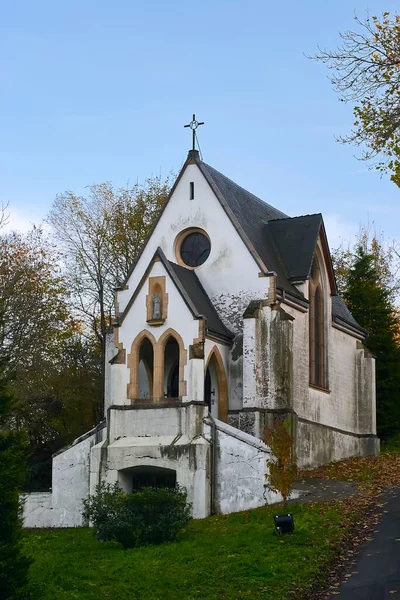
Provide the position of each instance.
(317, 328)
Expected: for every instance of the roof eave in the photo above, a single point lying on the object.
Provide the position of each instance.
(160, 254)
(345, 325)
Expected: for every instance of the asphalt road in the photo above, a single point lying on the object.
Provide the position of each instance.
(376, 572)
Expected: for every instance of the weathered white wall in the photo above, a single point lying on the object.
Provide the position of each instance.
(318, 445)
(229, 257)
(348, 404)
(196, 376)
(339, 405)
(366, 391)
(155, 421)
(179, 319)
(119, 382)
(70, 485)
(38, 510)
(300, 372)
(225, 353)
(268, 359)
(240, 470)
(71, 482)
(110, 352)
(190, 458)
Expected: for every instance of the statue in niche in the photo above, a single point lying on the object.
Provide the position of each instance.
(156, 306)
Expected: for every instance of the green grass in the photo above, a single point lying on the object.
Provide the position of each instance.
(392, 444)
(228, 557)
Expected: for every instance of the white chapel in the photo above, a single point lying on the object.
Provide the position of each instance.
(229, 318)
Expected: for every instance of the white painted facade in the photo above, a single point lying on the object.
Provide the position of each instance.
(190, 391)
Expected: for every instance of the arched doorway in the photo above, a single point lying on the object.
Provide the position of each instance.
(171, 368)
(145, 370)
(216, 387)
(152, 477)
(133, 479)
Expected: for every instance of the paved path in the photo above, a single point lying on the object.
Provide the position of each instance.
(375, 575)
(321, 490)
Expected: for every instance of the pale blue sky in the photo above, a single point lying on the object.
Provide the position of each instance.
(100, 90)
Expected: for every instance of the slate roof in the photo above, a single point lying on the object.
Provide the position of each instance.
(252, 214)
(295, 240)
(342, 315)
(199, 299)
(192, 292)
(285, 245)
(240, 200)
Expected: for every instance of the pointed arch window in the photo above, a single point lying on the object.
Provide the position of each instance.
(317, 329)
(157, 367)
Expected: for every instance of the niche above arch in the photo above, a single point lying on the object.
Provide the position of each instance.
(156, 301)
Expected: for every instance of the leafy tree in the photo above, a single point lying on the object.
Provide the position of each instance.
(54, 371)
(366, 71)
(58, 405)
(34, 311)
(282, 466)
(14, 564)
(102, 234)
(370, 302)
(385, 259)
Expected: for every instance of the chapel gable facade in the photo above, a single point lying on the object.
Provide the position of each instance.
(228, 319)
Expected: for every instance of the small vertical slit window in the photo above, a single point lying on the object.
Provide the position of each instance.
(192, 190)
(317, 329)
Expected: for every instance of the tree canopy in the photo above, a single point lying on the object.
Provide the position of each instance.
(101, 235)
(365, 70)
(56, 303)
(14, 564)
(53, 369)
(365, 281)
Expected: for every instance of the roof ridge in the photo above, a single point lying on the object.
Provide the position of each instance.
(259, 200)
(297, 217)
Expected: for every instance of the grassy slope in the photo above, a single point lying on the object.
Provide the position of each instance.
(225, 557)
(228, 557)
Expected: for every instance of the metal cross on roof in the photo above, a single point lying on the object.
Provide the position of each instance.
(193, 126)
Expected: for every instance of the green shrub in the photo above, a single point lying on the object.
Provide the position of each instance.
(149, 516)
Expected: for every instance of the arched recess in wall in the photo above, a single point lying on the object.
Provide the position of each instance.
(216, 386)
(141, 362)
(170, 361)
(317, 326)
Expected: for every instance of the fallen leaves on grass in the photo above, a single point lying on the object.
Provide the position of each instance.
(382, 471)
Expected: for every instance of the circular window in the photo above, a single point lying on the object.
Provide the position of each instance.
(194, 249)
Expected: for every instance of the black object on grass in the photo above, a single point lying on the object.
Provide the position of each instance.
(284, 524)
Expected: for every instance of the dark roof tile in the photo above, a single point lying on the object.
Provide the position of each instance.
(340, 312)
(253, 214)
(296, 238)
(200, 300)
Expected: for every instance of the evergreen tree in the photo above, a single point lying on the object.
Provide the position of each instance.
(14, 564)
(370, 302)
